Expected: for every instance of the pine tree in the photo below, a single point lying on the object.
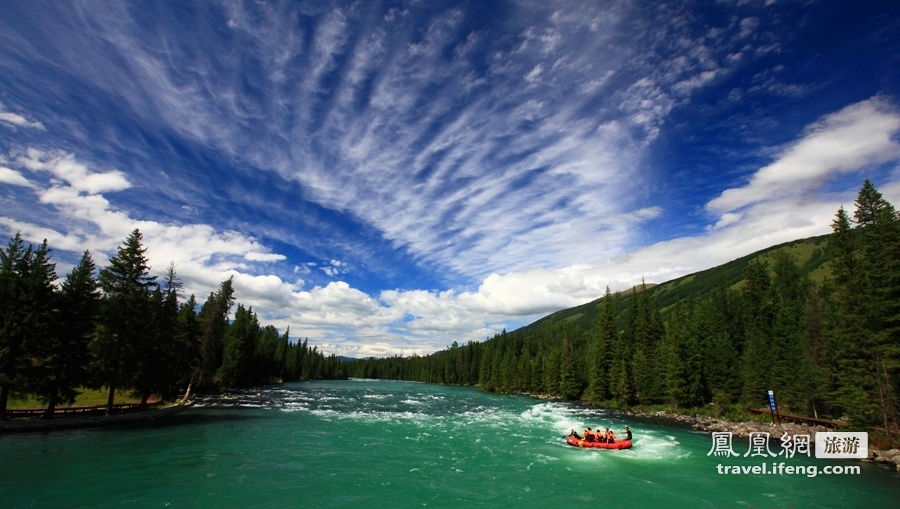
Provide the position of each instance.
(281, 355)
(26, 315)
(789, 290)
(865, 344)
(159, 358)
(64, 356)
(126, 315)
(213, 320)
(551, 371)
(239, 349)
(672, 351)
(758, 319)
(569, 374)
(266, 354)
(621, 387)
(188, 334)
(608, 340)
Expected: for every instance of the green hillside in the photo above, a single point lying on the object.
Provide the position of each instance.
(718, 339)
(812, 255)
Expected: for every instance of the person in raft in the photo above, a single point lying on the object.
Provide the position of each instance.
(589, 435)
(627, 433)
(609, 436)
(573, 433)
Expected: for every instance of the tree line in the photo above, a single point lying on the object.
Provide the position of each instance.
(122, 329)
(829, 349)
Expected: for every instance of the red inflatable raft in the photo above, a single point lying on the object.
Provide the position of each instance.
(618, 444)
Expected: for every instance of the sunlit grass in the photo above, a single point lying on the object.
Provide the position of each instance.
(87, 397)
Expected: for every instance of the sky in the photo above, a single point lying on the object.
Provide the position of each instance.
(389, 177)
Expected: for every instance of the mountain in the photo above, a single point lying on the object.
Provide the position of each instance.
(812, 255)
(718, 340)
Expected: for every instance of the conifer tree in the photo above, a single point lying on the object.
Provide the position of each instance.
(126, 315)
(608, 335)
(695, 340)
(758, 318)
(621, 387)
(213, 318)
(281, 354)
(266, 355)
(188, 334)
(569, 376)
(26, 314)
(159, 357)
(866, 343)
(551, 371)
(879, 239)
(673, 352)
(239, 349)
(64, 356)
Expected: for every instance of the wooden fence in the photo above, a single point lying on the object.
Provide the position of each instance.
(81, 410)
(808, 420)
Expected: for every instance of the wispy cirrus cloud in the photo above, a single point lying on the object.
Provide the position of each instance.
(512, 153)
(390, 119)
(12, 120)
(349, 321)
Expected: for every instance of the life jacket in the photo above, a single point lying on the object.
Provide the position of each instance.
(588, 435)
(610, 435)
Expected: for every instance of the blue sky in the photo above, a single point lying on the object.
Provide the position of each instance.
(388, 177)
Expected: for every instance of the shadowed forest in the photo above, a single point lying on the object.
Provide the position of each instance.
(124, 330)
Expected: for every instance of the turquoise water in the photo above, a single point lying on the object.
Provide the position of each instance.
(361, 443)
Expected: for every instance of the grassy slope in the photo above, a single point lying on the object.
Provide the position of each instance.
(812, 255)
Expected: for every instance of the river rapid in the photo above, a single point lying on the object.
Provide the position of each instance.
(368, 443)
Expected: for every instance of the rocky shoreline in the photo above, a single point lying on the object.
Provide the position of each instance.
(889, 458)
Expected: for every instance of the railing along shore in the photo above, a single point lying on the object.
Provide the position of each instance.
(79, 410)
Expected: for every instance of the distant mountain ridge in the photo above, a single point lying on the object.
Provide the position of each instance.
(813, 256)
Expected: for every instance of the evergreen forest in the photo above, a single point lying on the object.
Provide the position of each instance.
(122, 329)
(823, 334)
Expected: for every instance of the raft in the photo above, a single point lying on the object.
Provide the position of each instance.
(618, 444)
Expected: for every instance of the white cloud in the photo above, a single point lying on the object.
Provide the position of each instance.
(748, 26)
(203, 255)
(726, 219)
(264, 257)
(855, 138)
(12, 120)
(13, 178)
(76, 175)
(534, 74)
(334, 268)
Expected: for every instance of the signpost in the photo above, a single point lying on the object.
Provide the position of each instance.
(773, 407)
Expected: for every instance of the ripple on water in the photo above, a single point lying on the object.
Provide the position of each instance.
(453, 447)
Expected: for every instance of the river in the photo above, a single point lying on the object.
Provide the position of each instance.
(368, 443)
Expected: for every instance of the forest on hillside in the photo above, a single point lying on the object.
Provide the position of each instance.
(124, 330)
(829, 348)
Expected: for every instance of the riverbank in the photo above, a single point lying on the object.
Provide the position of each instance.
(41, 425)
(890, 458)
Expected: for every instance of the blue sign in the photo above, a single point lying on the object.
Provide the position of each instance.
(772, 405)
